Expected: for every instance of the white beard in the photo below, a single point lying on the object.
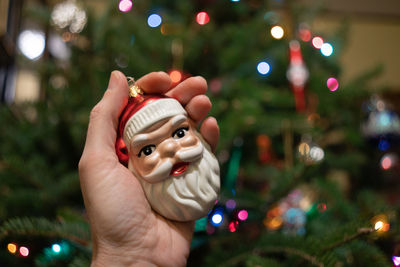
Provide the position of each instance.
(188, 196)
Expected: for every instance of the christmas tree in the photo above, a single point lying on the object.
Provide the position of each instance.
(308, 163)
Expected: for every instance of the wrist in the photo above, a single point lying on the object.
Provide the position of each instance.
(118, 257)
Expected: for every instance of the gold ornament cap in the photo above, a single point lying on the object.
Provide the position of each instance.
(134, 90)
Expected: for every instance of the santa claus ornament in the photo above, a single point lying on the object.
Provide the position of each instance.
(160, 145)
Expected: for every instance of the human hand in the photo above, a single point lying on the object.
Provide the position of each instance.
(125, 230)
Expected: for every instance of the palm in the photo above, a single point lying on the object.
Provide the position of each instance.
(119, 218)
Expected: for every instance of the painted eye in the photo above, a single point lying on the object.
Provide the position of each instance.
(147, 150)
(179, 133)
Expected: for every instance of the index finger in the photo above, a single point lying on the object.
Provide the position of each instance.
(155, 82)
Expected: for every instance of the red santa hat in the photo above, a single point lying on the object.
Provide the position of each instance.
(141, 112)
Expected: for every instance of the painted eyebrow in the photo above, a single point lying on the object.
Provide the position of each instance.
(139, 139)
(178, 119)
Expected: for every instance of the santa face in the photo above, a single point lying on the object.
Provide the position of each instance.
(178, 172)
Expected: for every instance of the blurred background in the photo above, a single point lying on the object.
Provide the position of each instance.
(307, 95)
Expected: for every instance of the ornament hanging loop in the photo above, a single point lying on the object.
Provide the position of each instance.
(134, 90)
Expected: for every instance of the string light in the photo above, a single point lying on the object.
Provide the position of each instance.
(202, 18)
(317, 42)
(230, 204)
(304, 149)
(327, 49)
(12, 248)
(263, 68)
(69, 14)
(56, 248)
(176, 76)
(396, 260)
(154, 20)
(317, 154)
(216, 219)
(277, 32)
(125, 5)
(31, 43)
(24, 251)
(233, 226)
(321, 207)
(332, 84)
(380, 223)
(304, 32)
(387, 161)
(383, 144)
(243, 215)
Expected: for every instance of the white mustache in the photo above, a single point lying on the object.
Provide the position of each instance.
(192, 154)
(159, 174)
(164, 170)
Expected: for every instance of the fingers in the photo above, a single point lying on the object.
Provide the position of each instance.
(155, 83)
(104, 116)
(198, 108)
(210, 131)
(188, 89)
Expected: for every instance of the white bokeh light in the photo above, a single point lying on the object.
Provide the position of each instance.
(31, 43)
(69, 14)
(327, 49)
(58, 48)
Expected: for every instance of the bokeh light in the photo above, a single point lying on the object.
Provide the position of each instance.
(332, 84)
(387, 161)
(216, 219)
(230, 204)
(12, 248)
(56, 248)
(396, 260)
(202, 18)
(233, 226)
(243, 215)
(380, 223)
(277, 32)
(176, 76)
(321, 207)
(24, 251)
(317, 154)
(263, 68)
(69, 14)
(317, 42)
(154, 20)
(383, 144)
(31, 43)
(273, 223)
(125, 5)
(327, 49)
(304, 32)
(304, 149)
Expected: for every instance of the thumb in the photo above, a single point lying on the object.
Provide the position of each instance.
(104, 116)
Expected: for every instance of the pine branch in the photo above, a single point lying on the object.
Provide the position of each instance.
(75, 232)
(347, 239)
(275, 250)
(289, 251)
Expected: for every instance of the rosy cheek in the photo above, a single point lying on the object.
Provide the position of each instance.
(145, 165)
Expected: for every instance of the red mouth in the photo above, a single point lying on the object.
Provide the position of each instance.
(179, 168)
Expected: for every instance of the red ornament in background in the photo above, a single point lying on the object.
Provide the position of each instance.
(297, 75)
(264, 148)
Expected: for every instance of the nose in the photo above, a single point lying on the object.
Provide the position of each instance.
(168, 148)
(189, 140)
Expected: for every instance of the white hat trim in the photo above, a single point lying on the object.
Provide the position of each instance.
(151, 113)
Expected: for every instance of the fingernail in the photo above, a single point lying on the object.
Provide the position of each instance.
(114, 78)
